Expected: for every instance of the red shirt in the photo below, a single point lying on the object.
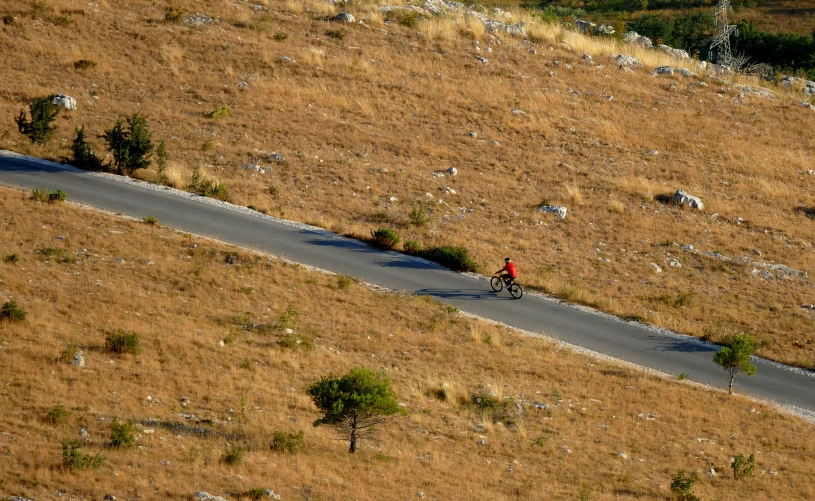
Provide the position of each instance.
(510, 269)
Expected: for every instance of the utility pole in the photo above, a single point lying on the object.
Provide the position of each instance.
(720, 46)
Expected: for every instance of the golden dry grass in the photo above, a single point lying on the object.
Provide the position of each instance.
(405, 98)
(180, 295)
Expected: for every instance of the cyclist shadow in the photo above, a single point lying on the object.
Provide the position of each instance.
(475, 294)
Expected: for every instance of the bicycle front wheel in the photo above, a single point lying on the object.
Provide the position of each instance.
(497, 284)
(516, 291)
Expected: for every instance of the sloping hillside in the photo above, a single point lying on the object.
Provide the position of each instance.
(491, 414)
(366, 117)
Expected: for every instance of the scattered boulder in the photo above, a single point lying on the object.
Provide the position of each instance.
(806, 104)
(623, 455)
(343, 17)
(203, 496)
(587, 57)
(452, 171)
(626, 60)
(663, 70)
(677, 53)
(276, 157)
(558, 210)
(64, 101)
(255, 167)
(79, 360)
(585, 27)
(656, 268)
(481, 60)
(683, 198)
(198, 20)
(635, 38)
(604, 30)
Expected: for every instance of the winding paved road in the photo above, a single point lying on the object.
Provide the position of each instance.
(629, 342)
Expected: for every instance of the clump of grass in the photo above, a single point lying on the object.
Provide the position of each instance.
(8, 20)
(12, 312)
(412, 247)
(384, 238)
(57, 415)
(122, 341)
(122, 435)
(344, 282)
(233, 455)
(54, 253)
(339, 34)
(48, 196)
(280, 36)
(72, 459)
(288, 317)
(495, 408)
(11, 258)
(150, 220)
(453, 257)
(419, 215)
(288, 443)
(174, 15)
(293, 342)
(202, 185)
(84, 64)
(219, 112)
(68, 354)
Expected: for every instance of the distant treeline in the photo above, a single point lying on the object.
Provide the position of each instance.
(786, 52)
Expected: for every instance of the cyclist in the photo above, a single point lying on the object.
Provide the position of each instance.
(511, 272)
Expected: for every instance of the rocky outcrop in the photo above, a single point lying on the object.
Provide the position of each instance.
(558, 210)
(635, 38)
(683, 198)
(625, 60)
(66, 102)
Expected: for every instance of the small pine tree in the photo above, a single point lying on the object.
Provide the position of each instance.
(682, 486)
(743, 468)
(40, 128)
(734, 356)
(130, 143)
(354, 403)
(83, 156)
(161, 157)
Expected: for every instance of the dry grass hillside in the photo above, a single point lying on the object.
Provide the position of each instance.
(365, 115)
(81, 276)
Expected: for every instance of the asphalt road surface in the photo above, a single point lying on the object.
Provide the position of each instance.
(629, 342)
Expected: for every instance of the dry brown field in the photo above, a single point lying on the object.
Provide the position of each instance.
(80, 275)
(367, 114)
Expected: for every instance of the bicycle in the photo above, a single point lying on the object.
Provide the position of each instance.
(498, 283)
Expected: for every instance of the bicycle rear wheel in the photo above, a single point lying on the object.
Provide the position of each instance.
(516, 291)
(497, 284)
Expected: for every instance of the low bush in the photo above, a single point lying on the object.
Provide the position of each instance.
(233, 455)
(743, 468)
(412, 247)
(174, 15)
(54, 254)
(121, 341)
(339, 34)
(419, 215)
(84, 64)
(497, 409)
(288, 317)
(11, 258)
(455, 258)
(43, 195)
(384, 238)
(279, 36)
(293, 342)
(344, 282)
(682, 486)
(72, 459)
(152, 221)
(204, 186)
(288, 443)
(12, 312)
(220, 112)
(130, 143)
(122, 435)
(57, 416)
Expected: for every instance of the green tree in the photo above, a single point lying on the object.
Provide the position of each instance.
(682, 486)
(130, 143)
(354, 403)
(40, 128)
(83, 155)
(743, 468)
(734, 357)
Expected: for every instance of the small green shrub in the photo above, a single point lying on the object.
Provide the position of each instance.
(682, 376)
(743, 468)
(280, 36)
(410, 20)
(384, 238)
(682, 486)
(40, 128)
(203, 186)
(12, 312)
(495, 408)
(233, 455)
(288, 443)
(220, 112)
(57, 416)
(344, 282)
(418, 215)
(455, 258)
(72, 459)
(339, 34)
(122, 435)
(68, 354)
(152, 221)
(83, 155)
(55, 254)
(43, 195)
(84, 64)
(11, 258)
(121, 341)
(162, 157)
(412, 247)
(256, 494)
(288, 317)
(174, 15)
(8, 20)
(130, 143)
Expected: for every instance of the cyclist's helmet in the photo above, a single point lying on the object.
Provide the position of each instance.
(507, 260)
